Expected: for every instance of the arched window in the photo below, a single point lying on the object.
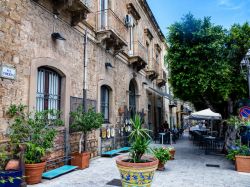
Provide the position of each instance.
(132, 99)
(105, 91)
(48, 94)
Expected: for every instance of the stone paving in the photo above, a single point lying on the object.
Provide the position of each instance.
(187, 170)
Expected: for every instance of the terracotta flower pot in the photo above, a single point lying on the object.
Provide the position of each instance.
(33, 172)
(242, 163)
(137, 174)
(161, 166)
(81, 160)
(172, 152)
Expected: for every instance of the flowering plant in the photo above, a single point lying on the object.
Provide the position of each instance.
(162, 154)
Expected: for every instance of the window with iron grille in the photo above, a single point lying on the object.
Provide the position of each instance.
(105, 102)
(48, 94)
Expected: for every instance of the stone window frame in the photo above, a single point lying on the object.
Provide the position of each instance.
(65, 85)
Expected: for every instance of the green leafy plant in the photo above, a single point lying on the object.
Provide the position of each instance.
(241, 150)
(162, 154)
(139, 139)
(85, 122)
(234, 121)
(35, 130)
(4, 157)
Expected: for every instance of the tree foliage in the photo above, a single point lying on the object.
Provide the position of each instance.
(204, 62)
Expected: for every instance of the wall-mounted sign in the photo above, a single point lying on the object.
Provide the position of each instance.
(7, 72)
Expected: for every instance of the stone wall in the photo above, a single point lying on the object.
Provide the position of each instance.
(26, 44)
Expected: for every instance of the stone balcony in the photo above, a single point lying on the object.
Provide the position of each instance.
(111, 31)
(152, 69)
(137, 56)
(78, 9)
(161, 79)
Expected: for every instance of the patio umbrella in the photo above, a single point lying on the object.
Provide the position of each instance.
(206, 114)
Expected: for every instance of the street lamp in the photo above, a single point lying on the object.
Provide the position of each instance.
(245, 62)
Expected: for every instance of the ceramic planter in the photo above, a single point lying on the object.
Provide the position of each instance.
(161, 166)
(172, 152)
(33, 172)
(81, 160)
(16, 174)
(137, 174)
(242, 163)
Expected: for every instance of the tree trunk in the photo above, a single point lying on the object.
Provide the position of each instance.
(85, 142)
(80, 143)
(209, 105)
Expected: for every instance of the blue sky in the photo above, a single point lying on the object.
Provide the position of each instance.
(222, 12)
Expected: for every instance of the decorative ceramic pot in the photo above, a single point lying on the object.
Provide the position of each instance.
(33, 172)
(242, 163)
(137, 174)
(81, 160)
(172, 152)
(15, 174)
(161, 166)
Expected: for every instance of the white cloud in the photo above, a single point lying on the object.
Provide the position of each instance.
(230, 4)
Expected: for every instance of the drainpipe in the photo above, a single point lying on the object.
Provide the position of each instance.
(84, 91)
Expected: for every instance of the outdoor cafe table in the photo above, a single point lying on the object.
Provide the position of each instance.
(162, 134)
(210, 139)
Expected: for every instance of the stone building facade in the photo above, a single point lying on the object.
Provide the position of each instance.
(124, 69)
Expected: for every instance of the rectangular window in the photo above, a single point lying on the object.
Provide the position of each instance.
(105, 103)
(48, 90)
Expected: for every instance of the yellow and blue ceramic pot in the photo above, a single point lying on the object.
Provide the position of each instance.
(137, 174)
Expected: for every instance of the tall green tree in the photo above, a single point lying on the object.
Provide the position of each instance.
(202, 59)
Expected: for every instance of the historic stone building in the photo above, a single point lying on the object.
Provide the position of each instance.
(43, 47)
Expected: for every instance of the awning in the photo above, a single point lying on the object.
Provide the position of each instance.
(159, 92)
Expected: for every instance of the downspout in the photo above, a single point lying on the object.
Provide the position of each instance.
(84, 91)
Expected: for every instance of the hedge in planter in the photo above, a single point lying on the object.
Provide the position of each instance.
(137, 169)
(36, 132)
(84, 122)
(241, 156)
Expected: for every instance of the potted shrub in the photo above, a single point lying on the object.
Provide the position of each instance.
(36, 132)
(10, 173)
(84, 122)
(137, 169)
(172, 152)
(241, 156)
(163, 155)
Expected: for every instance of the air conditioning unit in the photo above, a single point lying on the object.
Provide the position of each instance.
(129, 22)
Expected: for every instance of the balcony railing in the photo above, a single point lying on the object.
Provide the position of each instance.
(138, 50)
(107, 20)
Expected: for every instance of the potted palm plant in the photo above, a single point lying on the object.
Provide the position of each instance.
(36, 132)
(163, 155)
(84, 122)
(137, 169)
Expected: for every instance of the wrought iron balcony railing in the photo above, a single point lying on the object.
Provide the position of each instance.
(107, 20)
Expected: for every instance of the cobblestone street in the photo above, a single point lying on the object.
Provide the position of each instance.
(188, 169)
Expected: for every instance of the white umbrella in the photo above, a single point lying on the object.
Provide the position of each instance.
(206, 114)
